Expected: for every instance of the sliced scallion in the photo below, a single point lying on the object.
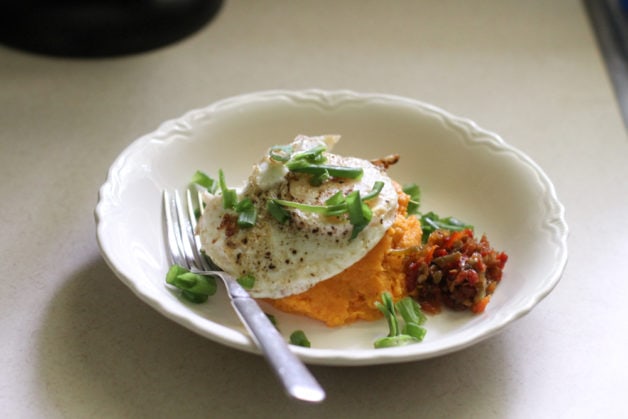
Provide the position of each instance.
(377, 188)
(247, 213)
(194, 298)
(313, 155)
(247, 218)
(320, 178)
(195, 283)
(416, 331)
(336, 199)
(431, 222)
(247, 281)
(205, 181)
(414, 192)
(302, 166)
(411, 332)
(194, 287)
(318, 209)
(229, 196)
(244, 204)
(298, 338)
(359, 213)
(277, 211)
(280, 153)
(410, 310)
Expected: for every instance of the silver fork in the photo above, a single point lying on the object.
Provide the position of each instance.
(184, 247)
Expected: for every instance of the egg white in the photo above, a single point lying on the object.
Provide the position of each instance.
(290, 258)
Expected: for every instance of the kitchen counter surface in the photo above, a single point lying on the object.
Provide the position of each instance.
(77, 343)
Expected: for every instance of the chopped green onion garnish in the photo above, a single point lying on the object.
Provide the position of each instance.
(412, 331)
(320, 178)
(205, 181)
(416, 331)
(298, 338)
(194, 287)
(311, 162)
(229, 196)
(359, 213)
(194, 298)
(336, 210)
(195, 283)
(277, 211)
(387, 307)
(247, 281)
(244, 204)
(336, 199)
(174, 272)
(247, 213)
(302, 166)
(377, 188)
(410, 311)
(431, 222)
(280, 153)
(318, 209)
(247, 218)
(313, 155)
(415, 197)
(393, 341)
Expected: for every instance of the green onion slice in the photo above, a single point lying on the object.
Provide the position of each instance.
(387, 307)
(318, 209)
(298, 338)
(302, 166)
(280, 153)
(394, 341)
(205, 181)
(415, 197)
(431, 222)
(229, 196)
(412, 331)
(194, 298)
(320, 178)
(336, 199)
(194, 287)
(247, 281)
(277, 211)
(313, 155)
(247, 218)
(247, 213)
(410, 311)
(416, 331)
(359, 213)
(244, 204)
(377, 188)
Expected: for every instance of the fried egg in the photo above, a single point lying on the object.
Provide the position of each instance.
(287, 258)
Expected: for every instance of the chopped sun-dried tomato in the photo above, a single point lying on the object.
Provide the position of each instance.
(456, 270)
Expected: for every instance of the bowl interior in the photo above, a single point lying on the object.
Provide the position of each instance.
(462, 171)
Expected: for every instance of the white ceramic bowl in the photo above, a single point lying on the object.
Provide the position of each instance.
(462, 169)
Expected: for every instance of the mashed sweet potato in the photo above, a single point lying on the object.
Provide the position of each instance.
(351, 295)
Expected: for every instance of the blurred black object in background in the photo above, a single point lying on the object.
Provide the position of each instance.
(100, 28)
(609, 19)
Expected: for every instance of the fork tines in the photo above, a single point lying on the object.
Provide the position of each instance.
(183, 243)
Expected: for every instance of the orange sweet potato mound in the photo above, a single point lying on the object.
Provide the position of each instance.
(351, 295)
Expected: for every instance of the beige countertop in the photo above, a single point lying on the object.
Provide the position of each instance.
(77, 343)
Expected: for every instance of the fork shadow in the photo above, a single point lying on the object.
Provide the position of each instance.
(104, 353)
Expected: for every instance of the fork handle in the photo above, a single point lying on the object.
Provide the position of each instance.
(297, 380)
